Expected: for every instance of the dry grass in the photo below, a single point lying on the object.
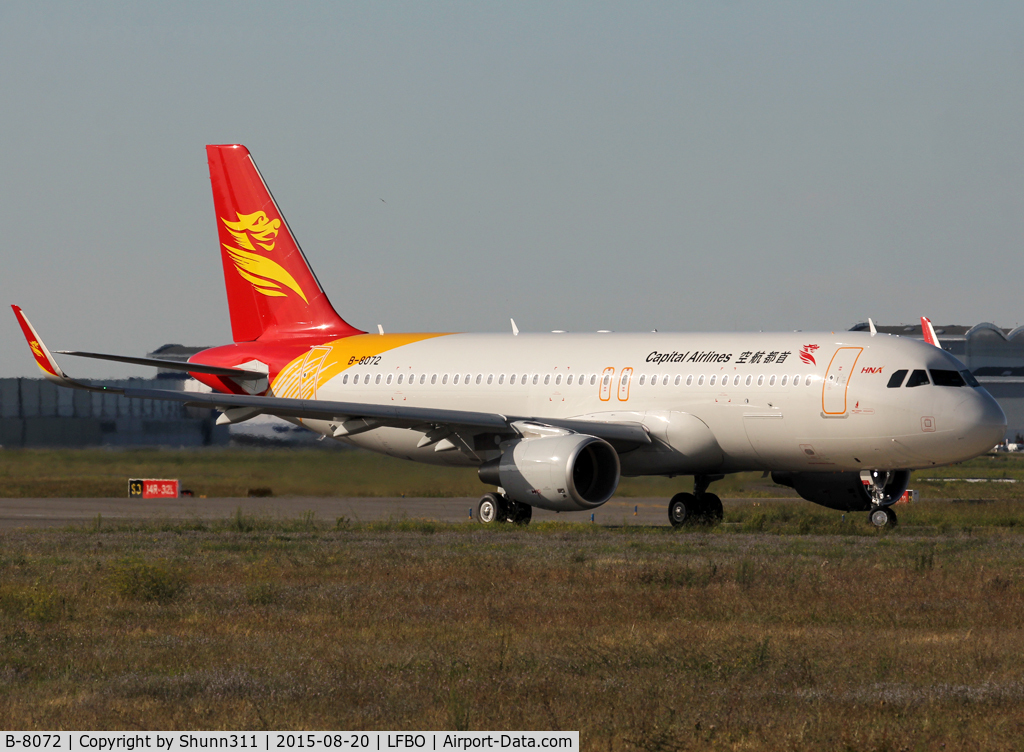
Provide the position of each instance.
(31, 473)
(923, 519)
(641, 639)
(28, 473)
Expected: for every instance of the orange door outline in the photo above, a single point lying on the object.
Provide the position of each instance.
(605, 385)
(624, 380)
(837, 379)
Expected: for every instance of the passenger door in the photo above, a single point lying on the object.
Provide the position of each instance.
(837, 381)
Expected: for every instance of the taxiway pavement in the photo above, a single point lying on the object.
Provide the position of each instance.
(21, 513)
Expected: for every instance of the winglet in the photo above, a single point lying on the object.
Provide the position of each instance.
(45, 360)
(929, 332)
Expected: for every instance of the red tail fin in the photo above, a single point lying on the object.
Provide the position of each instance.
(272, 292)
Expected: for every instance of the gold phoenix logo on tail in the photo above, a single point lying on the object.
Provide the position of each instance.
(266, 276)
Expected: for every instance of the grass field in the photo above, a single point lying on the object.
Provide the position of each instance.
(741, 637)
(310, 472)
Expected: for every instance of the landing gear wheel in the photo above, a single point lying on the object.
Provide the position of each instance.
(883, 517)
(684, 509)
(490, 509)
(519, 513)
(713, 512)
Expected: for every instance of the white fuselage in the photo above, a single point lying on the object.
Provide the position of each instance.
(713, 403)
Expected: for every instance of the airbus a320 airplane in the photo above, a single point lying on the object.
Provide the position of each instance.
(554, 420)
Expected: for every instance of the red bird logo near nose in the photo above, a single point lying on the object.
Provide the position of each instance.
(806, 356)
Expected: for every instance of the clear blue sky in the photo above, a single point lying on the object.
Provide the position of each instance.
(575, 165)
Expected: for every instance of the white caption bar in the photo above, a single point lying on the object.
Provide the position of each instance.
(279, 741)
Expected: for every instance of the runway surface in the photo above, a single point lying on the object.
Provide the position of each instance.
(21, 513)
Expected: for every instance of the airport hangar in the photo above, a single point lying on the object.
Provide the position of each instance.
(38, 413)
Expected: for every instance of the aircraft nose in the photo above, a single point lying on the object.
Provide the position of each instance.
(981, 422)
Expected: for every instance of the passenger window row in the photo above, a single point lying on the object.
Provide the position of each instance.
(468, 379)
(727, 380)
(581, 380)
(939, 377)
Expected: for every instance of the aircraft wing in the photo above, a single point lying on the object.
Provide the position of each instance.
(323, 410)
(373, 415)
(390, 415)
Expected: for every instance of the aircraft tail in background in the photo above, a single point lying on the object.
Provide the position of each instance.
(929, 332)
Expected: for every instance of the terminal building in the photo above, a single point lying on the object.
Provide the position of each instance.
(38, 413)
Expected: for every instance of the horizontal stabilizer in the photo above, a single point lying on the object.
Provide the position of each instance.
(173, 365)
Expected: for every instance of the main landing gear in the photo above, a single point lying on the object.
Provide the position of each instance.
(496, 507)
(697, 508)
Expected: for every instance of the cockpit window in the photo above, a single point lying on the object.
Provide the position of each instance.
(969, 378)
(946, 378)
(918, 378)
(896, 380)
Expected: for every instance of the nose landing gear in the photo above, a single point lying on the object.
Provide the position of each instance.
(885, 489)
(698, 508)
(883, 517)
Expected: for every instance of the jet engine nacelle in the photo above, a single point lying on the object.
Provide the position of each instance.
(568, 473)
(843, 491)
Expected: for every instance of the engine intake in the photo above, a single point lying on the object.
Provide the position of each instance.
(562, 473)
